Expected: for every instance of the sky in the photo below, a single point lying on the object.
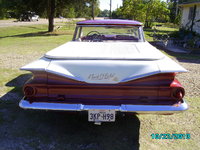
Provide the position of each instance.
(105, 4)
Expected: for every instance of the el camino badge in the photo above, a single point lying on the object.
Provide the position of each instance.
(103, 76)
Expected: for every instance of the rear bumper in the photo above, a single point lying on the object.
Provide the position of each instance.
(152, 109)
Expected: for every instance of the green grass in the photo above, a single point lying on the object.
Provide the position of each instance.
(183, 123)
(186, 122)
(30, 39)
(21, 45)
(159, 30)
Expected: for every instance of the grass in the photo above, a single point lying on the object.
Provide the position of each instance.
(183, 123)
(59, 130)
(27, 43)
(159, 30)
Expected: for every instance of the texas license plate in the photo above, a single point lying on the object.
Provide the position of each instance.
(98, 115)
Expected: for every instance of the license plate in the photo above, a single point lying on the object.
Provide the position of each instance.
(98, 115)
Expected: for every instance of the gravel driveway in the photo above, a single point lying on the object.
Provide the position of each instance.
(14, 22)
(191, 79)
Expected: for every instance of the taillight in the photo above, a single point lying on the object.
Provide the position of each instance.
(178, 91)
(29, 91)
(179, 94)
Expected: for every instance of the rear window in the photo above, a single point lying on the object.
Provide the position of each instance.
(108, 33)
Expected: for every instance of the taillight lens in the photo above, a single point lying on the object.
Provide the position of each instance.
(179, 93)
(29, 91)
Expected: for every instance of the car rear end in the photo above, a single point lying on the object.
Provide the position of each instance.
(155, 94)
(105, 71)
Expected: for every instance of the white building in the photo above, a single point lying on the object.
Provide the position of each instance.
(190, 18)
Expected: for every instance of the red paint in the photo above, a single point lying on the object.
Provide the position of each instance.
(159, 89)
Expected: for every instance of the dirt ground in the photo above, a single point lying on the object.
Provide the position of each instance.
(191, 79)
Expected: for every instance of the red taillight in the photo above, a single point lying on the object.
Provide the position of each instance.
(29, 91)
(179, 93)
(173, 74)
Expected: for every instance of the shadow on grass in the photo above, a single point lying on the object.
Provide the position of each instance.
(35, 129)
(159, 31)
(16, 93)
(34, 27)
(39, 34)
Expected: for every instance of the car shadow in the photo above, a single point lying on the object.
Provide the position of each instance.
(38, 129)
(43, 33)
(17, 83)
(73, 131)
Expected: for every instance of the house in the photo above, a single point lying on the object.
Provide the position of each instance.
(190, 18)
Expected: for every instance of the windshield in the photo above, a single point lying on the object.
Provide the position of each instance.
(108, 33)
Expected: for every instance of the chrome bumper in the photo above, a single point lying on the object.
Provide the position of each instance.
(152, 109)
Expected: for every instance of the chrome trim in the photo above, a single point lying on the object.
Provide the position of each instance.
(154, 109)
(75, 32)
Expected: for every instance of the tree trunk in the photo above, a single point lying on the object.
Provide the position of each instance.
(146, 24)
(93, 9)
(193, 17)
(51, 12)
(110, 9)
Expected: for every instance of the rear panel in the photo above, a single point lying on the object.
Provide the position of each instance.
(159, 89)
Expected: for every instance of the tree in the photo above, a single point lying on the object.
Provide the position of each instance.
(51, 14)
(133, 9)
(173, 12)
(116, 14)
(2, 12)
(155, 11)
(145, 11)
(51, 8)
(104, 13)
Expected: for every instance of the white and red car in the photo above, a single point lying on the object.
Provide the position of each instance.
(107, 68)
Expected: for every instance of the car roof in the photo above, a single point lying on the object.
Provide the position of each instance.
(110, 22)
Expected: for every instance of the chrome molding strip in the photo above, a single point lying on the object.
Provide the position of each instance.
(159, 109)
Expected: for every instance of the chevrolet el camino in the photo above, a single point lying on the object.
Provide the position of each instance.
(108, 67)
